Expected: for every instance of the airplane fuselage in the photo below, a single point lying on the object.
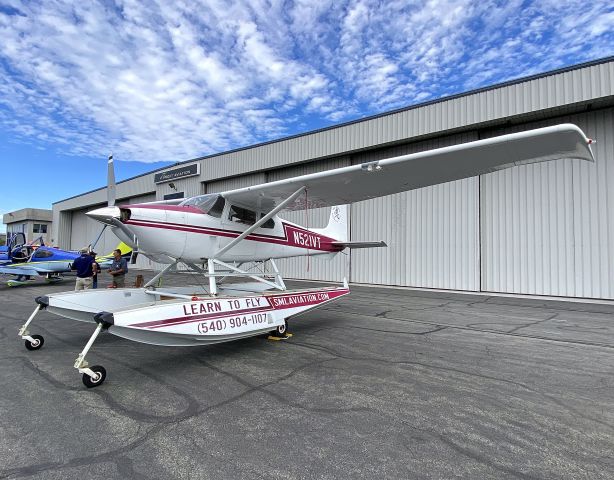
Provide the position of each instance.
(185, 232)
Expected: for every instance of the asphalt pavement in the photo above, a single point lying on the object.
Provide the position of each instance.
(383, 384)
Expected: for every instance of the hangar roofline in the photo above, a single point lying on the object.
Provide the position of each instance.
(370, 117)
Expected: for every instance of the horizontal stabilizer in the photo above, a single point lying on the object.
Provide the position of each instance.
(360, 244)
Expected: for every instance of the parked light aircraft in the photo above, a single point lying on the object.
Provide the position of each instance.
(17, 248)
(227, 230)
(45, 261)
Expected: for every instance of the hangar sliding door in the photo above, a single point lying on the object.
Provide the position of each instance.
(548, 229)
(432, 232)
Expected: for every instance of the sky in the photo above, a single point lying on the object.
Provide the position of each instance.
(162, 82)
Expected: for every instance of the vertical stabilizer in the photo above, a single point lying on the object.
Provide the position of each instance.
(337, 227)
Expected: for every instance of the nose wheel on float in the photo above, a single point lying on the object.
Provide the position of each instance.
(95, 375)
(32, 342)
(91, 381)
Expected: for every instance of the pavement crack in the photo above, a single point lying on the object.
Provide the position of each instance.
(263, 387)
(551, 398)
(551, 317)
(482, 459)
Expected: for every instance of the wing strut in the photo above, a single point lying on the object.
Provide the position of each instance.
(258, 223)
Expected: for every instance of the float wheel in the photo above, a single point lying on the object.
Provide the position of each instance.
(101, 374)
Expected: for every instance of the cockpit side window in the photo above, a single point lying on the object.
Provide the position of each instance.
(211, 204)
(241, 215)
(42, 254)
(217, 208)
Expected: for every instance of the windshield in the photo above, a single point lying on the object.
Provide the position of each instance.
(211, 204)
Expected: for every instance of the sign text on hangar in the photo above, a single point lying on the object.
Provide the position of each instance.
(176, 173)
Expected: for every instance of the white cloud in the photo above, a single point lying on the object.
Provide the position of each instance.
(170, 81)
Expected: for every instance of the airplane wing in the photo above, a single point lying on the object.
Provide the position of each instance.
(393, 175)
(24, 270)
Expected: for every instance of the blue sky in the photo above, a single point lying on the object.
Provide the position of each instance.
(157, 82)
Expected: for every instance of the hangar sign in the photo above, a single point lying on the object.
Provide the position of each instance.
(177, 173)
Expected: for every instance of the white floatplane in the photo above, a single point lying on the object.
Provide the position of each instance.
(226, 231)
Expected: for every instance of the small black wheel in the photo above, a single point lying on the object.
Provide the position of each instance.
(101, 374)
(281, 330)
(36, 344)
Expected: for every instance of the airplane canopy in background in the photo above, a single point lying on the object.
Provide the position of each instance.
(408, 172)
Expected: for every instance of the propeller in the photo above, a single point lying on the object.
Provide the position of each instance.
(111, 203)
(135, 251)
(110, 198)
(110, 215)
(110, 182)
(92, 245)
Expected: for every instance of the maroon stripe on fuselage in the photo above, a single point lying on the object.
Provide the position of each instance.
(325, 245)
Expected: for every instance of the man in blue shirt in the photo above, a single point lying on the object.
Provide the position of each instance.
(83, 266)
(118, 269)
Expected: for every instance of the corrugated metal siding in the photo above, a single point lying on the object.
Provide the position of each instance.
(548, 229)
(81, 234)
(313, 267)
(150, 197)
(62, 229)
(190, 187)
(432, 233)
(235, 182)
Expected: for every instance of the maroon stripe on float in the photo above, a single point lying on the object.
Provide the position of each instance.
(198, 317)
(215, 315)
(332, 296)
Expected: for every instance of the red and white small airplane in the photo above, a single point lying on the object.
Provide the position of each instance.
(225, 231)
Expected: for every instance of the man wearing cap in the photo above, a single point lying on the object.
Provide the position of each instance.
(118, 269)
(83, 266)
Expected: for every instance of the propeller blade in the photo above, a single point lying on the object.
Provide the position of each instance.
(135, 251)
(110, 182)
(95, 242)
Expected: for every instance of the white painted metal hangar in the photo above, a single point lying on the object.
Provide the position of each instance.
(545, 229)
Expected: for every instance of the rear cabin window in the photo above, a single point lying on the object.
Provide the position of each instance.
(270, 223)
(43, 254)
(241, 215)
